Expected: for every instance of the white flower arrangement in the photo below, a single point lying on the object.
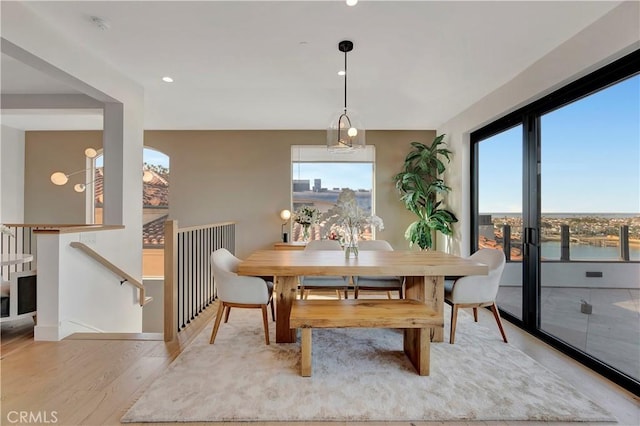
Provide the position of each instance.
(306, 215)
(6, 230)
(346, 214)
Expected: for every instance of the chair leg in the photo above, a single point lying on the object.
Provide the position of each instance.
(475, 314)
(496, 315)
(265, 323)
(401, 293)
(355, 293)
(217, 323)
(346, 294)
(454, 320)
(389, 295)
(273, 314)
(226, 317)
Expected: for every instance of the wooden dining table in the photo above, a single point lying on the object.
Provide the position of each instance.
(424, 273)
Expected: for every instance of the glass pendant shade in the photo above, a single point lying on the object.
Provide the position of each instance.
(90, 153)
(147, 176)
(59, 178)
(285, 215)
(79, 187)
(345, 133)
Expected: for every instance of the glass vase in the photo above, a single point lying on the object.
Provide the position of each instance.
(351, 242)
(305, 233)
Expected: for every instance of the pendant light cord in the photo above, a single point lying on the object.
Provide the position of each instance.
(345, 81)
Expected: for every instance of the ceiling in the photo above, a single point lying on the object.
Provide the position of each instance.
(273, 65)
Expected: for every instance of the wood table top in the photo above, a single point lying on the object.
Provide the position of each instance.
(391, 263)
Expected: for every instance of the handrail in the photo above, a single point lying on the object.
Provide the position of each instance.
(46, 225)
(64, 228)
(113, 268)
(207, 226)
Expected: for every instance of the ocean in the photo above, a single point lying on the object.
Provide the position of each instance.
(551, 250)
(569, 215)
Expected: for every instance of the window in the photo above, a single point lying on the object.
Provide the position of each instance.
(155, 198)
(319, 177)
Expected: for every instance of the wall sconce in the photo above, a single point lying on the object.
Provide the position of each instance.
(60, 178)
(285, 215)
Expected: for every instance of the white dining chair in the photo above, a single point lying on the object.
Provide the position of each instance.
(377, 283)
(337, 283)
(476, 291)
(236, 291)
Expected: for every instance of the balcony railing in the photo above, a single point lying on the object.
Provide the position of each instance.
(512, 246)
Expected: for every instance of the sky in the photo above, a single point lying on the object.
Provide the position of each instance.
(150, 156)
(590, 157)
(336, 175)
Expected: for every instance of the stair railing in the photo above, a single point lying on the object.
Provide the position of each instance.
(188, 284)
(124, 277)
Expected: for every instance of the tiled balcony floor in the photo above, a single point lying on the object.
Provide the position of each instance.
(610, 333)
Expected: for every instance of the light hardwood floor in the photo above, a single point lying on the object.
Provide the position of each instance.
(94, 382)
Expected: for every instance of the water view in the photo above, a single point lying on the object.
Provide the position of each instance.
(593, 236)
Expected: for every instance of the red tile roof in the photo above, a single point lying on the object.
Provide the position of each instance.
(154, 193)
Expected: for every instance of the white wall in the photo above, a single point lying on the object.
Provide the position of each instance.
(608, 39)
(90, 297)
(11, 175)
(25, 29)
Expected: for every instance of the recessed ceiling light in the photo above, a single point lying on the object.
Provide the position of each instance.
(352, 2)
(167, 79)
(341, 72)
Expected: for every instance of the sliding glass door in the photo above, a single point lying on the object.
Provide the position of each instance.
(500, 209)
(590, 207)
(556, 185)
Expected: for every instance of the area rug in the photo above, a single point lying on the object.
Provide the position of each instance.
(358, 374)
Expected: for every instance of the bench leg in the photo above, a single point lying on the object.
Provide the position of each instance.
(305, 362)
(417, 347)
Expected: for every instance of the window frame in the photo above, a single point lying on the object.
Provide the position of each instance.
(367, 155)
(530, 117)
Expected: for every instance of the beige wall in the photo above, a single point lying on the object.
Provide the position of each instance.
(11, 175)
(47, 152)
(245, 176)
(242, 176)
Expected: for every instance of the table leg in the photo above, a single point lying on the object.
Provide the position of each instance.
(417, 347)
(285, 294)
(305, 349)
(430, 290)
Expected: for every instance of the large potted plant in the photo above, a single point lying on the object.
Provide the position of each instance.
(420, 185)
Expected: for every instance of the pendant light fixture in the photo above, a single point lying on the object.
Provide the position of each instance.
(61, 178)
(345, 133)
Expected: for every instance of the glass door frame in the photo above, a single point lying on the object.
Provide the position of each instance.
(529, 117)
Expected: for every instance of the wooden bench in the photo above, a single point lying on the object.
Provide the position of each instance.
(414, 317)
